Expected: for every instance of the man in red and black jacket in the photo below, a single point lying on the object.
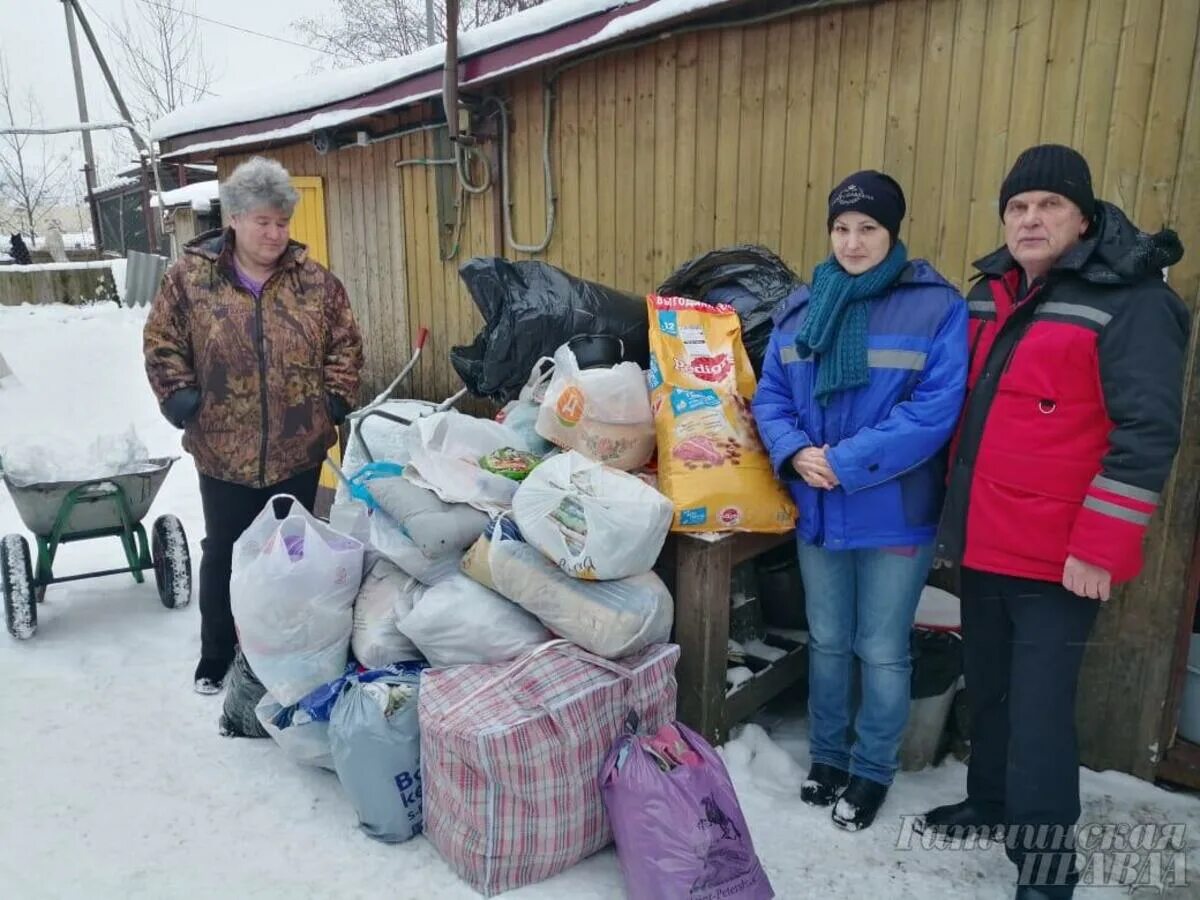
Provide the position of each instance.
(1070, 426)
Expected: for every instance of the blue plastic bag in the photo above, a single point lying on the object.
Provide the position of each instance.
(375, 740)
(302, 729)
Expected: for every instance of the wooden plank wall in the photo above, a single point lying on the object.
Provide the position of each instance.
(712, 137)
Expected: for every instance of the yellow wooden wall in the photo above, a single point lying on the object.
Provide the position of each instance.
(704, 139)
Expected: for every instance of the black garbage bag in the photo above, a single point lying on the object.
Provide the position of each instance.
(243, 691)
(530, 309)
(750, 278)
(936, 662)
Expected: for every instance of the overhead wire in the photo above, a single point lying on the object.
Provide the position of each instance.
(211, 21)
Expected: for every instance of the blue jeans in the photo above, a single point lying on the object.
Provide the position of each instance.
(860, 606)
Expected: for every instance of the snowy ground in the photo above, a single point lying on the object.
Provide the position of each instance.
(115, 783)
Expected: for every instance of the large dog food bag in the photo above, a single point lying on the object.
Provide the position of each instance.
(711, 463)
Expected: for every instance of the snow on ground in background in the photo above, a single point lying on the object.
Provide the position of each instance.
(118, 273)
(115, 783)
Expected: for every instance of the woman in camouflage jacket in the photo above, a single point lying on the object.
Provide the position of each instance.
(252, 349)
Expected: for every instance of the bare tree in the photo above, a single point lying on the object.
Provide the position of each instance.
(161, 60)
(34, 177)
(362, 31)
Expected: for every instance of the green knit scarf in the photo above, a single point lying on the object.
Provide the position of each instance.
(835, 331)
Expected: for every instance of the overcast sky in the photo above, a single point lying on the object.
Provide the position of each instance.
(33, 39)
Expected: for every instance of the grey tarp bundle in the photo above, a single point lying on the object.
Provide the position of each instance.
(242, 694)
(751, 279)
(529, 310)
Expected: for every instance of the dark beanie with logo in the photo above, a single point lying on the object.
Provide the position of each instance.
(871, 193)
(1054, 168)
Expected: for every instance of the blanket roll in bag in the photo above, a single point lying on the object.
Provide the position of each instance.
(609, 618)
(458, 621)
(510, 755)
(387, 595)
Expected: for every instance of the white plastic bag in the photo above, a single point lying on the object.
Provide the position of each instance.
(613, 619)
(386, 593)
(292, 593)
(459, 621)
(386, 537)
(593, 521)
(304, 741)
(445, 450)
(602, 413)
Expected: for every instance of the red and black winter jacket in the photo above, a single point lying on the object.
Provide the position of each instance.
(1073, 409)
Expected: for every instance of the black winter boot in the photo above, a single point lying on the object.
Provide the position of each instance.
(823, 784)
(210, 676)
(856, 808)
(964, 819)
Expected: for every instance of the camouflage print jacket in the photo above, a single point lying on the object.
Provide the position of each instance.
(263, 368)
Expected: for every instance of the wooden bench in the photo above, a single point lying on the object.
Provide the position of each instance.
(699, 569)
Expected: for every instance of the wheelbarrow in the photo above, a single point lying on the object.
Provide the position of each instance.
(359, 457)
(62, 512)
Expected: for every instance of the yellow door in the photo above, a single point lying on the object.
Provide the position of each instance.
(308, 221)
(308, 227)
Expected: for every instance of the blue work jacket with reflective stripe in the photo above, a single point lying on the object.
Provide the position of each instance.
(887, 438)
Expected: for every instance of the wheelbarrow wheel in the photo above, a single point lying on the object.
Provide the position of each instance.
(16, 580)
(172, 562)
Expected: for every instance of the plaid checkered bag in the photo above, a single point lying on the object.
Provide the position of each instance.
(510, 755)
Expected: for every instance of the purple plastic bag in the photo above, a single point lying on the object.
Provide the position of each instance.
(679, 834)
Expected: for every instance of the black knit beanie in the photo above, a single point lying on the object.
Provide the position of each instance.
(872, 193)
(1054, 168)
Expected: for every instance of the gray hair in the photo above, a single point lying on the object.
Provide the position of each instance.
(257, 183)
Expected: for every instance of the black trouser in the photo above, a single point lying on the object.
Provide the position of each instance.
(228, 511)
(1023, 645)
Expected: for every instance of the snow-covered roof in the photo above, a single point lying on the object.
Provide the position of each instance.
(200, 196)
(116, 184)
(297, 94)
(491, 51)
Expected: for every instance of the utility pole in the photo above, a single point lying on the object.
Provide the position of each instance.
(89, 159)
(144, 151)
(430, 26)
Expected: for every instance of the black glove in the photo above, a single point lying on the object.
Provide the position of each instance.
(181, 406)
(338, 408)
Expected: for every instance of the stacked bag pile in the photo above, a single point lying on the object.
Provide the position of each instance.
(485, 589)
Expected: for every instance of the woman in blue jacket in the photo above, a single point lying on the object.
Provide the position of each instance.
(860, 392)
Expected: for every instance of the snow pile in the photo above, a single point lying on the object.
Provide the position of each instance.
(118, 274)
(71, 456)
(62, 428)
(7, 378)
